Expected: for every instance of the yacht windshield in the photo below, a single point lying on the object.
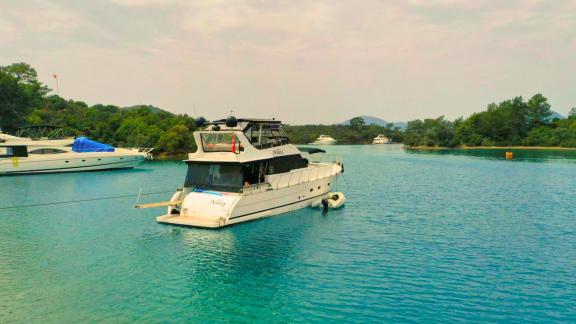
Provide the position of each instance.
(221, 177)
(219, 142)
(264, 136)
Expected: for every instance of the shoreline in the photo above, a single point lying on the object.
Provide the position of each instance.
(171, 156)
(535, 148)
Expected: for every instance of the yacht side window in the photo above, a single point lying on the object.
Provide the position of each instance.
(4, 152)
(46, 151)
(13, 151)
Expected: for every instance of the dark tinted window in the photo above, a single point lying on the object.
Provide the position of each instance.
(221, 177)
(46, 151)
(13, 151)
(286, 163)
(254, 172)
(53, 151)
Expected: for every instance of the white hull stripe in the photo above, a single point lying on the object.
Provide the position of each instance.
(292, 203)
(76, 167)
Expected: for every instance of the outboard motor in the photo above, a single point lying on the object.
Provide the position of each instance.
(325, 205)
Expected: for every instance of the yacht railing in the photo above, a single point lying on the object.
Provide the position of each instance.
(293, 178)
(147, 150)
(314, 172)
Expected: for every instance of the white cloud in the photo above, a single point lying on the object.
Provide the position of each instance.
(145, 3)
(326, 53)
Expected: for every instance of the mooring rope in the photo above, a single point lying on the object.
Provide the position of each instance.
(82, 200)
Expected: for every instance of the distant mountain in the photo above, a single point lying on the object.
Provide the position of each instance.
(150, 107)
(556, 115)
(371, 120)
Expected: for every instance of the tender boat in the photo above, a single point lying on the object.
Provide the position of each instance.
(324, 140)
(245, 169)
(381, 139)
(334, 200)
(19, 155)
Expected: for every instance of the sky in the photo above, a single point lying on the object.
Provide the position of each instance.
(300, 61)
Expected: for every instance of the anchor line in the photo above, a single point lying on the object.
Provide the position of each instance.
(82, 200)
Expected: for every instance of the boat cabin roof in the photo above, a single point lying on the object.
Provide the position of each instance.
(241, 140)
(249, 120)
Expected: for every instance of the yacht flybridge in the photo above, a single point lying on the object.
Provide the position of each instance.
(21, 155)
(246, 169)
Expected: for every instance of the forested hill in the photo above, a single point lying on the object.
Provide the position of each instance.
(26, 101)
(512, 122)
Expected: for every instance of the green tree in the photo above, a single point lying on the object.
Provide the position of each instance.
(357, 123)
(22, 72)
(538, 111)
(14, 103)
(176, 139)
(20, 93)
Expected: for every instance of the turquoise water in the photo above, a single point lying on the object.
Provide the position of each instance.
(424, 237)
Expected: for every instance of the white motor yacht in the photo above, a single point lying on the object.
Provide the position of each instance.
(19, 155)
(243, 170)
(381, 139)
(324, 140)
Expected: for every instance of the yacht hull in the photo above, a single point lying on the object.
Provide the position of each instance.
(243, 208)
(63, 164)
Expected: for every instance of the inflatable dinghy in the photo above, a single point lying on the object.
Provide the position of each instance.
(334, 200)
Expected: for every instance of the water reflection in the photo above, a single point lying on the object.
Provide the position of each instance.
(224, 271)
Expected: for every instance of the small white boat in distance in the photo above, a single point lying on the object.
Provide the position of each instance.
(324, 140)
(245, 169)
(381, 139)
(27, 156)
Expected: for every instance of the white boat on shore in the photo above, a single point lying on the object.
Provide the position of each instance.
(381, 139)
(324, 140)
(19, 155)
(243, 170)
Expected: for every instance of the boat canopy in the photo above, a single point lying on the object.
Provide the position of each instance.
(83, 144)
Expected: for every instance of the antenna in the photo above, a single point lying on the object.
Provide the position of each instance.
(55, 76)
